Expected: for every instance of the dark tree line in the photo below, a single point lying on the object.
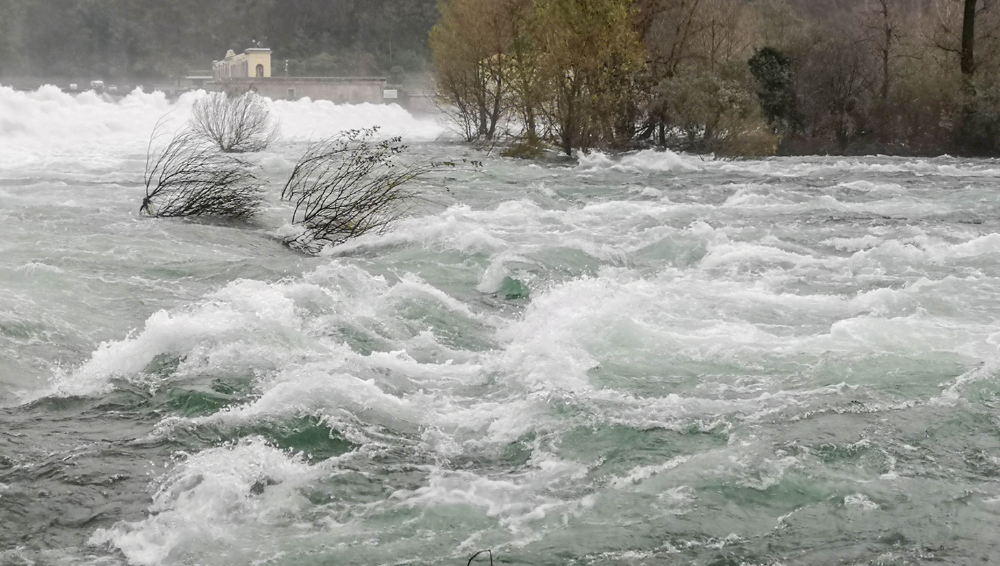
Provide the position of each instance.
(159, 38)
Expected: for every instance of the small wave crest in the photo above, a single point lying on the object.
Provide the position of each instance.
(644, 161)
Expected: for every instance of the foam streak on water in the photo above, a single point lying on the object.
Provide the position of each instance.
(642, 359)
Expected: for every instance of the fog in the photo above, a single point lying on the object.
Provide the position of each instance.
(143, 40)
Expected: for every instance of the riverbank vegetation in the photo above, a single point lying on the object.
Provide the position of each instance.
(733, 77)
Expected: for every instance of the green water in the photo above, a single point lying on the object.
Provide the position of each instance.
(646, 359)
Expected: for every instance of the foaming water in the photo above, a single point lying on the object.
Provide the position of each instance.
(91, 132)
(647, 161)
(651, 358)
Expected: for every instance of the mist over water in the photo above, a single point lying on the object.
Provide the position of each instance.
(642, 359)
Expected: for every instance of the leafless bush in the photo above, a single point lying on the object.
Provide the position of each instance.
(347, 186)
(237, 123)
(189, 177)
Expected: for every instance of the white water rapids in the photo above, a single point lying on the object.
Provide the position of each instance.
(642, 359)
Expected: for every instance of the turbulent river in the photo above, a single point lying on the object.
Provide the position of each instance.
(621, 360)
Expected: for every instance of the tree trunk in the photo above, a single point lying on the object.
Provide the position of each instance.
(968, 138)
(530, 128)
(483, 121)
(568, 125)
(968, 58)
(484, 126)
(886, 50)
(567, 134)
(497, 109)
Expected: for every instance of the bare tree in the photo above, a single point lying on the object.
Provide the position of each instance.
(188, 177)
(969, 30)
(881, 28)
(237, 123)
(347, 186)
(727, 31)
(668, 32)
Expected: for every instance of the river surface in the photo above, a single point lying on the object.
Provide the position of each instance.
(621, 360)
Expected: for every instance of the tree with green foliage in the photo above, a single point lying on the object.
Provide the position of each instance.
(570, 67)
(772, 71)
(526, 81)
(470, 45)
(592, 62)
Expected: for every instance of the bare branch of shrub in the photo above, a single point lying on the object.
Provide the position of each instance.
(236, 123)
(347, 186)
(476, 555)
(188, 177)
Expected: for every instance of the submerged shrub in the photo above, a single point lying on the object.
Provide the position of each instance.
(528, 148)
(236, 123)
(189, 177)
(744, 136)
(347, 186)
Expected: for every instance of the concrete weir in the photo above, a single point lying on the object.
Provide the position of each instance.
(342, 90)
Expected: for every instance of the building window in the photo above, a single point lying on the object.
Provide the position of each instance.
(260, 71)
(291, 94)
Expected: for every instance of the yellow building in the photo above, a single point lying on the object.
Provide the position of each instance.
(254, 62)
(252, 70)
